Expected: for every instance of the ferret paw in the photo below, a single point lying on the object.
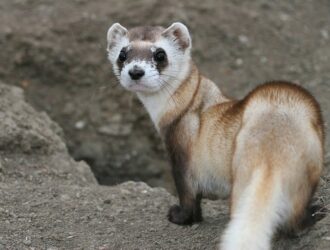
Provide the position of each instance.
(181, 216)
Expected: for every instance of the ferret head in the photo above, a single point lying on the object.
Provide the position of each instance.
(147, 59)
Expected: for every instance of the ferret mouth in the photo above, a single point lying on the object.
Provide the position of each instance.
(140, 87)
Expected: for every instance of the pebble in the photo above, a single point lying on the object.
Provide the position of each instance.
(239, 61)
(8, 32)
(80, 125)
(27, 241)
(107, 201)
(105, 247)
(116, 129)
(243, 39)
(325, 34)
(116, 118)
(284, 17)
(65, 197)
(263, 60)
(2, 243)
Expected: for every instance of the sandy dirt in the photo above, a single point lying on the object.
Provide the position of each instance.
(49, 201)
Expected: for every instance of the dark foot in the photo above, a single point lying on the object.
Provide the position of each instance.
(314, 213)
(182, 216)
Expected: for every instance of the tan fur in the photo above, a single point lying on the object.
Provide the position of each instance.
(209, 126)
(264, 151)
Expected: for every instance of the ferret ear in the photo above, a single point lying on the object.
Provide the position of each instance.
(179, 34)
(115, 35)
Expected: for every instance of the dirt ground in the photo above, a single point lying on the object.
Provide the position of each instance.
(49, 201)
(55, 51)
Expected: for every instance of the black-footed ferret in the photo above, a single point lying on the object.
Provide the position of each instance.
(265, 151)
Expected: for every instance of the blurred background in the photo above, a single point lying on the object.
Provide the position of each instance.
(56, 51)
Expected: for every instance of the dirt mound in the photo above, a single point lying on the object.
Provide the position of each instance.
(31, 147)
(49, 201)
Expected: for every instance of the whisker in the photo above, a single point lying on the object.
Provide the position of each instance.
(165, 85)
(170, 95)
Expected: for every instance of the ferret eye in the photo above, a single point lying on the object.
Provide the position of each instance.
(160, 55)
(122, 56)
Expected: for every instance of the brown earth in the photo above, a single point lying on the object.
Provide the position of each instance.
(55, 51)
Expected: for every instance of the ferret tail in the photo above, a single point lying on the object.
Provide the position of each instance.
(260, 209)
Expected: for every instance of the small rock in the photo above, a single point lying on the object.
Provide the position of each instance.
(263, 60)
(325, 34)
(8, 32)
(65, 197)
(107, 201)
(116, 129)
(284, 17)
(243, 39)
(80, 125)
(116, 118)
(2, 243)
(104, 247)
(239, 61)
(27, 241)
(33, 215)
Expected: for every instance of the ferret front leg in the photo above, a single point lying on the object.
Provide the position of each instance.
(189, 211)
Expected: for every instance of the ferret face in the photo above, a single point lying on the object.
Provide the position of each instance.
(149, 59)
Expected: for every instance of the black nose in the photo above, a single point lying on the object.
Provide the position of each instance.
(136, 73)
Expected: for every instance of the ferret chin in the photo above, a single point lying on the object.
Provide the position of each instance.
(265, 151)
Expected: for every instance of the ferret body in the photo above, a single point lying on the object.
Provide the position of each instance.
(265, 151)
